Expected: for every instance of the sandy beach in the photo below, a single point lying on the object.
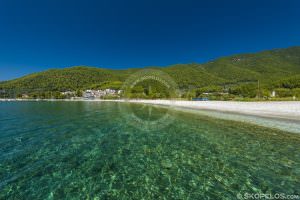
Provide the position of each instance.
(274, 109)
(282, 115)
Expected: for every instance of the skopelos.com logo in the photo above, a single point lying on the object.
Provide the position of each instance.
(142, 89)
(267, 196)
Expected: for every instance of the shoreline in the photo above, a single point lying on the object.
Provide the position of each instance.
(274, 109)
(288, 110)
(283, 115)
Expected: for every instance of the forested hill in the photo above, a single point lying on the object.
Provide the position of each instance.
(274, 68)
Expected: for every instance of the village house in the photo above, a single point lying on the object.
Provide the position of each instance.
(100, 93)
(68, 93)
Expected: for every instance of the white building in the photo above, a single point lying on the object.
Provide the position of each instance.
(100, 93)
(68, 93)
(273, 94)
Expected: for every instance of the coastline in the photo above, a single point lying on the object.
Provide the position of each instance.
(289, 110)
(283, 115)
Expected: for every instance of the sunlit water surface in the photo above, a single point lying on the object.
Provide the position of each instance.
(101, 150)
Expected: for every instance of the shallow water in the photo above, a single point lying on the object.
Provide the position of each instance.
(102, 150)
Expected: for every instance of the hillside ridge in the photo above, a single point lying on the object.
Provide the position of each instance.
(270, 67)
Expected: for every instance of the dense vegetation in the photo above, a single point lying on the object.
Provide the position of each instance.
(238, 76)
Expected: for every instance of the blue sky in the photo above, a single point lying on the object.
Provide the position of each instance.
(36, 35)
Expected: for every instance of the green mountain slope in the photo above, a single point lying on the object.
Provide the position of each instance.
(62, 79)
(264, 66)
(192, 76)
(273, 68)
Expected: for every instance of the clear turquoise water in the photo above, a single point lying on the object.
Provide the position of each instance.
(89, 150)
